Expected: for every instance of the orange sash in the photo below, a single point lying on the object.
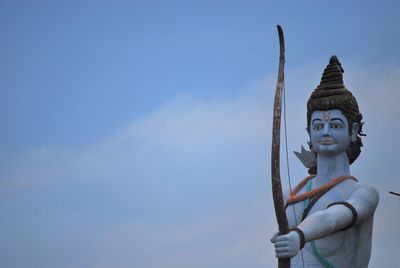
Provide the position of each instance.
(294, 198)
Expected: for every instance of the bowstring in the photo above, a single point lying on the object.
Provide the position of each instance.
(287, 161)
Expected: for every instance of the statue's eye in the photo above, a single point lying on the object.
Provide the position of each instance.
(317, 127)
(337, 125)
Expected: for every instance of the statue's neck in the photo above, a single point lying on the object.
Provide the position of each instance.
(332, 166)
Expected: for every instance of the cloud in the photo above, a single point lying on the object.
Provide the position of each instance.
(187, 185)
(229, 239)
(125, 197)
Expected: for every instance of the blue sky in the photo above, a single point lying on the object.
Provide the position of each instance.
(136, 133)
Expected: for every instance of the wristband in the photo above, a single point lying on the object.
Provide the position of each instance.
(301, 235)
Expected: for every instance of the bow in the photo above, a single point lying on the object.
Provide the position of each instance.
(275, 149)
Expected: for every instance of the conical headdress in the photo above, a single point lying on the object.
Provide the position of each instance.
(331, 80)
(332, 94)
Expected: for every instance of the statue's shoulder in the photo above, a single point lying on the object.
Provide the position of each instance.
(367, 192)
(363, 186)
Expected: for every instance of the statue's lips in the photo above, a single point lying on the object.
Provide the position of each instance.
(327, 141)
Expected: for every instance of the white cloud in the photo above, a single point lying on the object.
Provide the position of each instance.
(187, 183)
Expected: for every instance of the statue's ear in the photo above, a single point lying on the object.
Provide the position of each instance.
(308, 131)
(354, 131)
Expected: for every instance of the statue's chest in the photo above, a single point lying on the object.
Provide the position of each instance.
(299, 210)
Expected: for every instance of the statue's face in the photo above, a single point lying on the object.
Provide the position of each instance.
(329, 132)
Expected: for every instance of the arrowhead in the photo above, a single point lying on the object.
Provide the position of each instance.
(306, 157)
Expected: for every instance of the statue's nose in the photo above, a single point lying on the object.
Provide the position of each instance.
(326, 131)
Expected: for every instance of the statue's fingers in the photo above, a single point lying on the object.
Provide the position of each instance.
(282, 250)
(281, 244)
(273, 238)
(281, 238)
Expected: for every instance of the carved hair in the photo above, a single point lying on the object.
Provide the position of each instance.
(332, 94)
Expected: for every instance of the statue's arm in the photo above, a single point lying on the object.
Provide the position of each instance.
(364, 199)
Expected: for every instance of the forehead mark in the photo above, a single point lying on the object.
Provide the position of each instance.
(327, 116)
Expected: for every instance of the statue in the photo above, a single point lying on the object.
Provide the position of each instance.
(329, 213)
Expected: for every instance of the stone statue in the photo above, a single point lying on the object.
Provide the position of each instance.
(330, 213)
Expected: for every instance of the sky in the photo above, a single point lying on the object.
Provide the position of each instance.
(137, 133)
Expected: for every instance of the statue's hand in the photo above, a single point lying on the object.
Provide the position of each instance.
(286, 246)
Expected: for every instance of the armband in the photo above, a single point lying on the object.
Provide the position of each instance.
(353, 211)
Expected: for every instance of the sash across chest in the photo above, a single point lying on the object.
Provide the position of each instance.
(314, 194)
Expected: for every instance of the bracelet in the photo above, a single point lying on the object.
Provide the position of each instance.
(301, 235)
(353, 211)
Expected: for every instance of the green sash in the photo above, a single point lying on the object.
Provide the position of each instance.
(315, 251)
